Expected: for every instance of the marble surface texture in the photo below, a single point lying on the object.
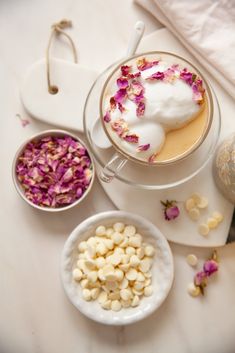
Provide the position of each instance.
(36, 316)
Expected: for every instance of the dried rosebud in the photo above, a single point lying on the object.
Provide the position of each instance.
(171, 211)
(210, 267)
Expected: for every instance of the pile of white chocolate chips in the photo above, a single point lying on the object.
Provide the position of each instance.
(114, 267)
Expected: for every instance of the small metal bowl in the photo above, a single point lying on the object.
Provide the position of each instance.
(20, 189)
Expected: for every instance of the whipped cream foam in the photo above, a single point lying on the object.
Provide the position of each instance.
(140, 110)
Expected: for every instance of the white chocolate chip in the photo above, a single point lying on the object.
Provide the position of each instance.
(148, 291)
(109, 232)
(109, 244)
(92, 276)
(203, 203)
(149, 250)
(114, 295)
(107, 269)
(125, 294)
(192, 260)
(129, 231)
(118, 227)
(100, 231)
(80, 264)
(100, 262)
(111, 285)
(194, 214)
(119, 251)
(106, 305)
(135, 301)
(203, 229)
(116, 305)
(139, 285)
(91, 241)
(101, 249)
(212, 223)
(95, 293)
(138, 292)
(131, 275)
(125, 259)
(193, 290)
(145, 264)
(84, 283)
(90, 264)
(218, 216)
(126, 303)
(115, 259)
(135, 242)
(196, 197)
(148, 274)
(124, 283)
(124, 267)
(120, 275)
(91, 251)
(139, 236)
(117, 237)
(82, 246)
(124, 243)
(101, 275)
(189, 204)
(134, 260)
(86, 293)
(103, 296)
(111, 277)
(140, 253)
(130, 250)
(77, 274)
(147, 282)
(140, 277)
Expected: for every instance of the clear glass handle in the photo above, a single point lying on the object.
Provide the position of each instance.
(112, 168)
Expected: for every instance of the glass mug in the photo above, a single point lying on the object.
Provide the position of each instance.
(118, 160)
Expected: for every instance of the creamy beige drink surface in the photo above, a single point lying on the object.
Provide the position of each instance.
(154, 110)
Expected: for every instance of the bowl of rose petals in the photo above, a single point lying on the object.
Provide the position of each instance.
(53, 170)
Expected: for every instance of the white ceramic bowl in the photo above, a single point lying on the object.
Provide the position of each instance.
(162, 269)
(19, 188)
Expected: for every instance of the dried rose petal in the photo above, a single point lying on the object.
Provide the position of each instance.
(120, 126)
(120, 95)
(122, 82)
(54, 171)
(186, 76)
(113, 103)
(143, 64)
(133, 138)
(143, 147)
(140, 109)
(125, 70)
(210, 266)
(121, 107)
(156, 76)
(152, 158)
(107, 117)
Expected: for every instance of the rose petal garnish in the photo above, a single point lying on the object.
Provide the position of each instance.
(140, 109)
(113, 103)
(143, 64)
(133, 138)
(24, 122)
(186, 76)
(53, 171)
(107, 117)
(198, 91)
(122, 82)
(120, 95)
(156, 76)
(121, 107)
(120, 126)
(125, 70)
(143, 147)
(152, 158)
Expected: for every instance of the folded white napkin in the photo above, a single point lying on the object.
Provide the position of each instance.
(206, 28)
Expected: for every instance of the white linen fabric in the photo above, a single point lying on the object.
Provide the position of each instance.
(206, 28)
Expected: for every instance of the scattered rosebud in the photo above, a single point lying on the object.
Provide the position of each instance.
(171, 210)
(209, 267)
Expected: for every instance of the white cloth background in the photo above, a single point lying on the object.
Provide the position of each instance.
(206, 28)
